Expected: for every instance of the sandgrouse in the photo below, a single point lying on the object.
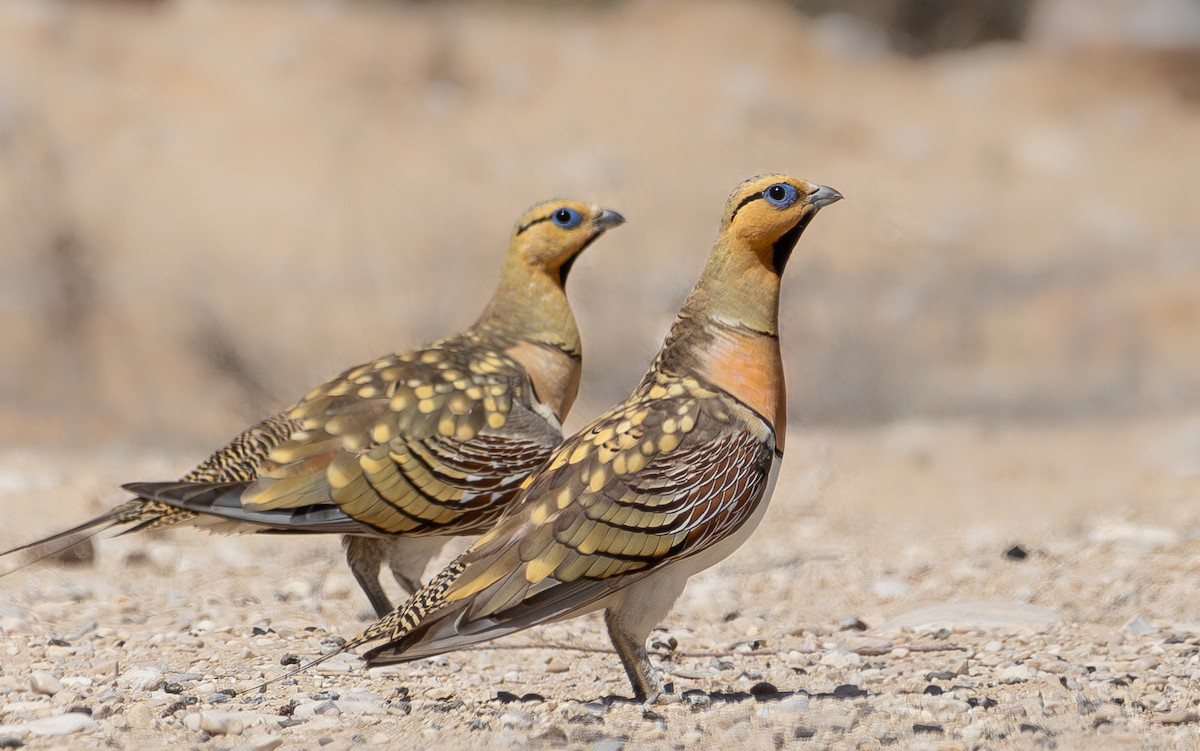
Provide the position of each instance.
(656, 489)
(400, 452)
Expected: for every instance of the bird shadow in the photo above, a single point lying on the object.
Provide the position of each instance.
(760, 692)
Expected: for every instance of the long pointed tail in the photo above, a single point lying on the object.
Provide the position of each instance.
(126, 513)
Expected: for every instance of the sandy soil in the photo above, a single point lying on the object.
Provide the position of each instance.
(208, 207)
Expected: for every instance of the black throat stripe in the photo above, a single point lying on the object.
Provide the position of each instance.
(781, 251)
(565, 268)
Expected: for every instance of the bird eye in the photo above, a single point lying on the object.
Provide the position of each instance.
(781, 195)
(567, 218)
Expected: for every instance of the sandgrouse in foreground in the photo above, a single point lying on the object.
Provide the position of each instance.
(397, 453)
(654, 490)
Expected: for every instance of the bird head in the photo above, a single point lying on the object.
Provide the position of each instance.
(552, 234)
(768, 213)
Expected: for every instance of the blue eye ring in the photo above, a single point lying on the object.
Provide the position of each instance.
(567, 218)
(781, 195)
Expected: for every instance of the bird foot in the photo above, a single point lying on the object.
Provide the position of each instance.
(662, 695)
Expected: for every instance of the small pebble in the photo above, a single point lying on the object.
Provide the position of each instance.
(222, 723)
(139, 679)
(140, 716)
(515, 720)
(263, 743)
(763, 691)
(840, 659)
(321, 707)
(1014, 674)
(359, 708)
(848, 691)
(555, 665)
(1016, 553)
(44, 683)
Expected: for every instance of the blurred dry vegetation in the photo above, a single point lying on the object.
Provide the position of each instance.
(208, 207)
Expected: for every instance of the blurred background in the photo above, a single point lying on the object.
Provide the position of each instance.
(207, 208)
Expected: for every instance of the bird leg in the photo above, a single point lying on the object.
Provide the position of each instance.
(408, 557)
(365, 557)
(647, 687)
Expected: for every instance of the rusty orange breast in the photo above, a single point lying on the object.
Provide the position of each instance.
(747, 365)
(554, 373)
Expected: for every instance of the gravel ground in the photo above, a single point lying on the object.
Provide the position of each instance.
(925, 585)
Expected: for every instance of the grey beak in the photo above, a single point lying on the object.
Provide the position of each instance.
(609, 219)
(823, 196)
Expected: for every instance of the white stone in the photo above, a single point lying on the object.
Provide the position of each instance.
(140, 716)
(1014, 674)
(515, 720)
(357, 708)
(222, 723)
(138, 679)
(42, 682)
(309, 709)
(840, 659)
(63, 724)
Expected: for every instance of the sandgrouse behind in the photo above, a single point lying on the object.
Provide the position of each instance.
(654, 490)
(400, 452)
